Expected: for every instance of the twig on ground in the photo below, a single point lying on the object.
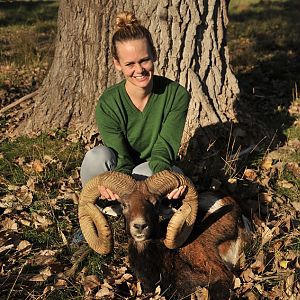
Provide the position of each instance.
(17, 277)
(17, 102)
(241, 153)
(83, 252)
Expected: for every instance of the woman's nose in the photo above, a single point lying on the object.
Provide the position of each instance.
(139, 68)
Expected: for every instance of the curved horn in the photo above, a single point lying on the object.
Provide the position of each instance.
(182, 222)
(94, 226)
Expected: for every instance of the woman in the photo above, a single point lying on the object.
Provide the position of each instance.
(140, 119)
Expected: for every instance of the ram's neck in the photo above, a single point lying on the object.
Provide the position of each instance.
(146, 259)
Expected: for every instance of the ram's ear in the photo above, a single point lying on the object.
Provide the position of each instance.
(154, 199)
(124, 202)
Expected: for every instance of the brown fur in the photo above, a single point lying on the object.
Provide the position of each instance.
(199, 262)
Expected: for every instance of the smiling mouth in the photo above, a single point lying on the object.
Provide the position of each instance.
(139, 237)
(141, 76)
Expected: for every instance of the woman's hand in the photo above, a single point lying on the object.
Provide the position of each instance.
(106, 193)
(176, 193)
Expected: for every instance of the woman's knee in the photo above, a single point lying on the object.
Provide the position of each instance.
(101, 151)
(142, 171)
(97, 161)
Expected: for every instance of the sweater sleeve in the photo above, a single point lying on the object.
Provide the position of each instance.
(165, 149)
(113, 137)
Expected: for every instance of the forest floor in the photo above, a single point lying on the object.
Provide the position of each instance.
(39, 175)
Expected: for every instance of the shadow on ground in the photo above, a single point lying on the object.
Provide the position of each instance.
(27, 12)
(264, 43)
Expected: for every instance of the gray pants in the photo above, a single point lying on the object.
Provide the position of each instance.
(101, 159)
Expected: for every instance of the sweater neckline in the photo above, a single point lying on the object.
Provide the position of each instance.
(133, 107)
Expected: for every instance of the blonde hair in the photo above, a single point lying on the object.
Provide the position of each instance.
(129, 28)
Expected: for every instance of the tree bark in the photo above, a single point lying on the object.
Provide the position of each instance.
(190, 37)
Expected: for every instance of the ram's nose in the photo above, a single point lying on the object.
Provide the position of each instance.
(140, 226)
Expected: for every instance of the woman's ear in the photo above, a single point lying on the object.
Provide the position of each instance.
(117, 64)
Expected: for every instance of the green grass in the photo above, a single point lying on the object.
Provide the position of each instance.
(264, 39)
(68, 292)
(43, 239)
(293, 133)
(27, 31)
(21, 12)
(58, 157)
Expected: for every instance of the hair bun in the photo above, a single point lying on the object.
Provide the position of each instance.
(125, 19)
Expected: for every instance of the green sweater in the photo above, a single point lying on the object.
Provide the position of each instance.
(153, 135)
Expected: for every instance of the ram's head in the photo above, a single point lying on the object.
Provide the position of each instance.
(95, 227)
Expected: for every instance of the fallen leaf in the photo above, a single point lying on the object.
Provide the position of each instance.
(20, 161)
(9, 224)
(294, 144)
(296, 205)
(37, 166)
(41, 220)
(127, 276)
(60, 282)
(23, 245)
(104, 292)
(90, 282)
(63, 237)
(43, 260)
(46, 272)
(283, 264)
(201, 294)
(265, 197)
(49, 159)
(259, 288)
(267, 235)
(139, 290)
(259, 264)
(25, 196)
(289, 283)
(248, 275)
(25, 222)
(31, 184)
(7, 201)
(48, 252)
(250, 174)
(237, 283)
(7, 247)
(267, 163)
(47, 289)
(39, 278)
(285, 184)
(294, 168)
(265, 181)
(11, 187)
(106, 284)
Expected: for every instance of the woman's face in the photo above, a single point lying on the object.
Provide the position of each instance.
(135, 60)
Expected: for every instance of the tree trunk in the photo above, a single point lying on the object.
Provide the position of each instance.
(190, 37)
